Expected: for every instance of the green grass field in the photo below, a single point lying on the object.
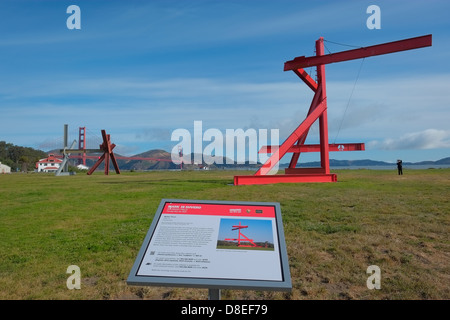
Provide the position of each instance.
(334, 231)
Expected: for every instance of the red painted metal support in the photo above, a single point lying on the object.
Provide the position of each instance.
(295, 143)
(285, 178)
(291, 140)
(108, 154)
(364, 52)
(323, 119)
(316, 148)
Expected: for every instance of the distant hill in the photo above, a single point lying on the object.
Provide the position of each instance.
(442, 161)
(168, 164)
(162, 161)
(19, 158)
(162, 154)
(214, 162)
(345, 163)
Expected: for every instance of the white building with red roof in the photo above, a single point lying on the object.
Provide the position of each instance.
(50, 164)
(4, 168)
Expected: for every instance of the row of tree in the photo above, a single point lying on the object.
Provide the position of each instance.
(19, 158)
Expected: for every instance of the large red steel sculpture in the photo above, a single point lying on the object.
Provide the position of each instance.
(107, 148)
(295, 143)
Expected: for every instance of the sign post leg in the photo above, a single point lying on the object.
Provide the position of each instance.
(213, 294)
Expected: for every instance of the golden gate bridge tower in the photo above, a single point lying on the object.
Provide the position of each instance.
(82, 145)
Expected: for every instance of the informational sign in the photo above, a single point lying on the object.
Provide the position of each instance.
(214, 244)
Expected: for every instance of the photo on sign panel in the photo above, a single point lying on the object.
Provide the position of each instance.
(245, 234)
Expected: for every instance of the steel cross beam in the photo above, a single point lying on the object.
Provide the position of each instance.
(318, 111)
(316, 147)
(364, 52)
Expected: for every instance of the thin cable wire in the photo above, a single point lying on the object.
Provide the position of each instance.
(349, 99)
(327, 48)
(92, 139)
(343, 44)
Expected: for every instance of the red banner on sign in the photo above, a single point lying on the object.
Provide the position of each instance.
(219, 210)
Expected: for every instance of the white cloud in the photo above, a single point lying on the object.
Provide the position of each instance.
(427, 139)
(148, 110)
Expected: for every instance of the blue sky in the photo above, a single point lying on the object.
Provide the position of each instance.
(141, 69)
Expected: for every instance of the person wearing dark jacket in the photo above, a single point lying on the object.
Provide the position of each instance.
(400, 167)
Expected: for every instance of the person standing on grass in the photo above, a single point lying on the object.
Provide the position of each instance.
(400, 167)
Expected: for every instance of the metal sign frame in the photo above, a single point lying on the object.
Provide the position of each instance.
(140, 278)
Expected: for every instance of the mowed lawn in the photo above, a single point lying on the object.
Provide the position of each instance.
(334, 231)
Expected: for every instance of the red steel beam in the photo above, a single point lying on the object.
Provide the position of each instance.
(284, 178)
(307, 79)
(292, 139)
(301, 140)
(376, 50)
(316, 147)
(305, 171)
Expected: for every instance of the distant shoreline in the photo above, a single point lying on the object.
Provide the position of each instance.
(360, 167)
(394, 167)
